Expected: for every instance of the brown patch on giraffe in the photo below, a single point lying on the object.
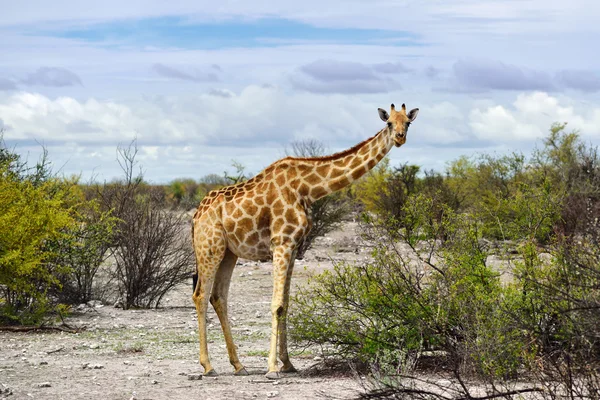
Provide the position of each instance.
(357, 173)
(277, 224)
(249, 206)
(339, 163)
(289, 229)
(372, 162)
(290, 215)
(252, 239)
(322, 170)
(356, 161)
(336, 172)
(238, 213)
(277, 206)
(339, 183)
(264, 219)
(259, 200)
(303, 168)
(292, 172)
(318, 192)
(246, 224)
(229, 225)
(280, 180)
(313, 179)
(303, 189)
(374, 151)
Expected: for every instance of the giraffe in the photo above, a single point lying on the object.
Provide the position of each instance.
(267, 217)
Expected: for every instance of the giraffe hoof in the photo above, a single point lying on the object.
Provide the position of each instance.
(288, 369)
(241, 371)
(211, 372)
(272, 375)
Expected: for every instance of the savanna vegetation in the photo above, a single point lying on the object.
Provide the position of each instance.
(488, 273)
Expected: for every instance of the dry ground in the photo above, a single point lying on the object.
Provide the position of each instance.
(152, 354)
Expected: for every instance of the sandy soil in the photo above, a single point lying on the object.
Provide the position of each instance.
(153, 354)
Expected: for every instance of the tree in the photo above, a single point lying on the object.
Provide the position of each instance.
(152, 250)
(35, 209)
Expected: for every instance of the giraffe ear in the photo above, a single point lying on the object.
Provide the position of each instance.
(383, 114)
(412, 115)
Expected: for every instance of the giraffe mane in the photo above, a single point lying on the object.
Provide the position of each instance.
(335, 156)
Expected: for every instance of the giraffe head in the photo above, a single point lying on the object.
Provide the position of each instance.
(398, 122)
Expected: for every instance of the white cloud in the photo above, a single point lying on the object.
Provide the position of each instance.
(194, 126)
(194, 135)
(530, 117)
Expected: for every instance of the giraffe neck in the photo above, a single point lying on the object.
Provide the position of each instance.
(332, 173)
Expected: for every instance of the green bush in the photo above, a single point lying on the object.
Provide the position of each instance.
(83, 248)
(35, 209)
(429, 286)
(398, 305)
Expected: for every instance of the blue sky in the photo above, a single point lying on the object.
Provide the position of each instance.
(184, 33)
(201, 84)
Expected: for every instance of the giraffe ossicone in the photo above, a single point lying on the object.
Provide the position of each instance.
(267, 217)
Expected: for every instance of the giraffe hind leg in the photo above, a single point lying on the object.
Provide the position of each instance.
(209, 247)
(218, 299)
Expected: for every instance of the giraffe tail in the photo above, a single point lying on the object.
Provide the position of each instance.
(194, 280)
(195, 274)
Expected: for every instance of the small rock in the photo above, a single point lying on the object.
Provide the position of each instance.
(257, 315)
(127, 362)
(154, 382)
(94, 346)
(318, 358)
(194, 377)
(95, 304)
(272, 394)
(43, 362)
(85, 365)
(5, 389)
(44, 384)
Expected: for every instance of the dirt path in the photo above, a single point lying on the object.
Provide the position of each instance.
(153, 354)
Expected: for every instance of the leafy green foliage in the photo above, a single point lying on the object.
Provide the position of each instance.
(34, 210)
(84, 247)
(430, 284)
(405, 302)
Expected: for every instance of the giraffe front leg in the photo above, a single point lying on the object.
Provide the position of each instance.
(218, 299)
(281, 262)
(287, 366)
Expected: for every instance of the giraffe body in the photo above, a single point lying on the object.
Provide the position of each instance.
(267, 217)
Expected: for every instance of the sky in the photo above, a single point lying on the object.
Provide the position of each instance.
(201, 84)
